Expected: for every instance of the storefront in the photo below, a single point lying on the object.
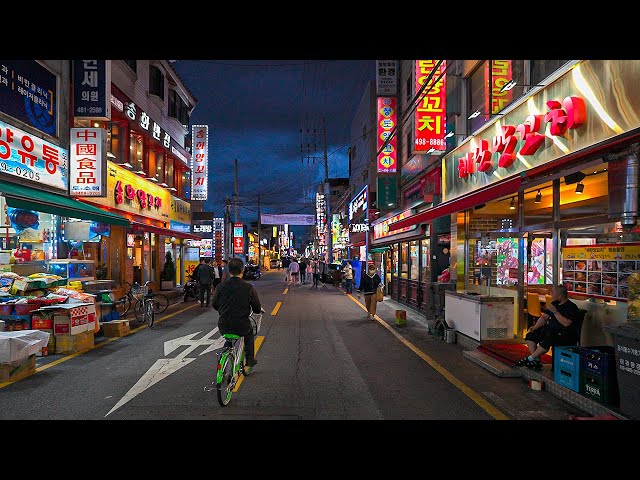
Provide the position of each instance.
(42, 228)
(148, 208)
(548, 194)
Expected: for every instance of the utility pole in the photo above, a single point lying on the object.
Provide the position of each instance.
(327, 196)
(228, 240)
(235, 190)
(259, 228)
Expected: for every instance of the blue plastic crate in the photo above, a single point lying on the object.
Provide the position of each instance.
(567, 358)
(567, 378)
(599, 360)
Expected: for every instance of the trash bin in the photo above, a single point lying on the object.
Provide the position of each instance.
(627, 354)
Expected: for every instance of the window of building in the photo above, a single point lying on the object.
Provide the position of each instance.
(414, 260)
(168, 178)
(541, 69)
(132, 64)
(156, 82)
(156, 165)
(409, 149)
(404, 260)
(116, 144)
(136, 151)
(424, 252)
(178, 108)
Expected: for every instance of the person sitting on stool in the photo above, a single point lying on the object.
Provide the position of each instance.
(558, 325)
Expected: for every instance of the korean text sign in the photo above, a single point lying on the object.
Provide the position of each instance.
(430, 114)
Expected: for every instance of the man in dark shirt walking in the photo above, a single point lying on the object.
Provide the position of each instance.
(205, 279)
(235, 299)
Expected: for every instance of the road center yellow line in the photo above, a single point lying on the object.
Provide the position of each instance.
(469, 392)
(285, 291)
(257, 344)
(276, 308)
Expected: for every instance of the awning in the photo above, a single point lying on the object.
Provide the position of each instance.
(143, 227)
(458, 205)
(21, 196)
(379, 250)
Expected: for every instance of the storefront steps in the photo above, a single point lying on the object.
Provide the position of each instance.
(489, 363)
(469, 351)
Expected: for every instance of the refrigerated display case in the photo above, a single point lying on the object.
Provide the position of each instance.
(72, 269)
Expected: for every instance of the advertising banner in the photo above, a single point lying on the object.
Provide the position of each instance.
(88, 162)
(200, 162)
(28, 92)
(431, 113)
(180, 215)
(288, 218)
(92, 89)
(31, 158)
(387, 118)
(238, 238)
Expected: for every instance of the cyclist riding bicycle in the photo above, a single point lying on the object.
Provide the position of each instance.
(235, 299)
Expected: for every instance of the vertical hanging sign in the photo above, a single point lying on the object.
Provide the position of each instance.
(238, 238)
(387, 118)
(88, 162)
(430, 115)
(200, 162)
(92, 89)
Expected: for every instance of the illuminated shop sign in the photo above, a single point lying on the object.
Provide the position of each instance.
(523, 140)
(386, 77)
(200, 162)
(387, 118)
(358, 227)
(92, 89)
(501, 74)
(238, 238)
(27, 157)
(138, 196)
(359, 204)
(88, 162)
(430, 115)
(381, 229)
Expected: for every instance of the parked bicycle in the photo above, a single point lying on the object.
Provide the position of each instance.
(158, 301)
(231, 363)
(134, 297)
(147, 307)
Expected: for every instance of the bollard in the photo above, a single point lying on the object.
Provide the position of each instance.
(401, 318)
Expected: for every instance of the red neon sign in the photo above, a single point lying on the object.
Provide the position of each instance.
(430, 115)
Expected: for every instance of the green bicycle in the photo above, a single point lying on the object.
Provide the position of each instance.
(231, 362)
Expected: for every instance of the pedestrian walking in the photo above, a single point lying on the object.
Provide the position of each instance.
(369, 286)
(225, 271)
(294, 270)
(348, 277)
(218, 272)
(205, 279)
(315, 269)
(303, 270)
(309, 272)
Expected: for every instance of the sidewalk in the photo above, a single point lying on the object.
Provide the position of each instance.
(467, 346)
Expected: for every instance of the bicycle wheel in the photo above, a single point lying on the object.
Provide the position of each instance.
(224, 385)
(123, 306)
(160, 302)
(150, 313)
(138, 310)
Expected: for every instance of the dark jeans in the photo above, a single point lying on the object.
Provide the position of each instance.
(315, 279)
(205, 287)
(348, 282)
(249, 347)
(303, 276)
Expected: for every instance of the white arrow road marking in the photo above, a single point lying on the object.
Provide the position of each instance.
(164, 367)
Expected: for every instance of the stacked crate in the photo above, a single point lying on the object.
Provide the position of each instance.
(598, 374)
(566, 367)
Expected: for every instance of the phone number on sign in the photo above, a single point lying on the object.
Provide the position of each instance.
(21, 172)
(432, 141)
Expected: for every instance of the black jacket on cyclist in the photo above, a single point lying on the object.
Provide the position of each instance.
(235, 299)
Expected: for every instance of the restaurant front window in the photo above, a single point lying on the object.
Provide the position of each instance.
(404, 260)
(413, 260)
(426, 270)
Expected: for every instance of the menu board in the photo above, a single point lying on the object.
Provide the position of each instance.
(600, 270)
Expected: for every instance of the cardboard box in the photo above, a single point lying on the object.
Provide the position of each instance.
(12, 372)
(67, 344)
(73, 319)
(116, 328)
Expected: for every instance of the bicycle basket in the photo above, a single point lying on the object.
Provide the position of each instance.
(256, 319)
(139, 290)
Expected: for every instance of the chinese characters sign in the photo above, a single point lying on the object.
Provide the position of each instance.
(387, 118)
(200, 162)
(430, 115)
(28, 93)
(386, 77)
(30, 158)
(88, 162)
(92, 89)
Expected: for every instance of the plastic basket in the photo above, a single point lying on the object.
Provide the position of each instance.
(139, 290)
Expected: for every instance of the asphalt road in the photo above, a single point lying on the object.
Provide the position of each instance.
(319, 358)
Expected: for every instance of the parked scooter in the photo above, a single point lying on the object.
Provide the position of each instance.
(251, 272)
(190, 290)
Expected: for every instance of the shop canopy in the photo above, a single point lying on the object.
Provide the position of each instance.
(21, 196)
(143, 227)
(379, 249)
